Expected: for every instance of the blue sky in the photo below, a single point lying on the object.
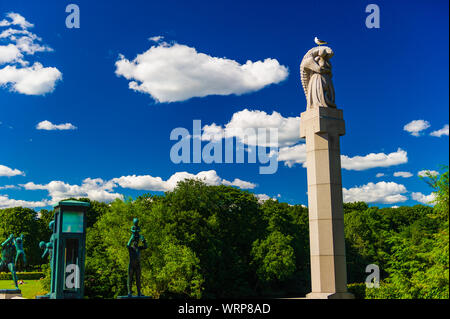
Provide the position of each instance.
(81, 117)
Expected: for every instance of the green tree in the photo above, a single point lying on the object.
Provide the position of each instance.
(19, 220)
(418, 267)
(274, 256)
(204, 241)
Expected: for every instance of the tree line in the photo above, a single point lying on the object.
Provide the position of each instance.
(221, 242)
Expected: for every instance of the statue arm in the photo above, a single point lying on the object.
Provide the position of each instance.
(129, 242)
(45, 253)
(47, 249)
(10, 238)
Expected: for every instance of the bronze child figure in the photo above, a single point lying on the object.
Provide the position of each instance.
(134, 250)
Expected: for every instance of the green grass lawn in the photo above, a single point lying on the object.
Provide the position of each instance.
(30, 289)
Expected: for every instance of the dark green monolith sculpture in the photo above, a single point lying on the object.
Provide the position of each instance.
(67, 249)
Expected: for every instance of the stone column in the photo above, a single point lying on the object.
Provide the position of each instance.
(322, 127)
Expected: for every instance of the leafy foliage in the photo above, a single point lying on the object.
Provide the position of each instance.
(416, 256)
(19, 220)
(219, 241)
(204, 241)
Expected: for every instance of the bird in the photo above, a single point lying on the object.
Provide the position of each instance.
(319, 42)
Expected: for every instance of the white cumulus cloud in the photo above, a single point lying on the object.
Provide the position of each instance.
(246, 121)
(424, 199)
(141, 182)
(104, 190)
(49, 126)
(18, 76)
(16, 19)
(263, 197)
(292, 155)
(239, 183)
(34, 80)
(381, 192)
(95, 189)
(6, 202)
(415, 127)
(212, 132)
(9, 53)
(359, 163)
(425, 172)
(176, 72)
(253, 127)
(403, 174)
(6, 171)
(9, 187)
(150, 183)
(156, 38)
(441, 132)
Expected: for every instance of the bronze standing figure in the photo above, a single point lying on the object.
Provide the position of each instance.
(8, 257)
(134, 250)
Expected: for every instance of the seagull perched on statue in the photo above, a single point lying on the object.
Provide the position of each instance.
(319, 42)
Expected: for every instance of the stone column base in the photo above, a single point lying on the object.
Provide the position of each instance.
(10, 293)
(330, 295)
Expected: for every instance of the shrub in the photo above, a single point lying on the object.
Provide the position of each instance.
(357, 289)
(22, 275)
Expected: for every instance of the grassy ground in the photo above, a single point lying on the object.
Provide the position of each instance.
(30, 289)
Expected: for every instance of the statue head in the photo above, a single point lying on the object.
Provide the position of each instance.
(135, 221)
(324, 52)
(317, 53)
(42, 245)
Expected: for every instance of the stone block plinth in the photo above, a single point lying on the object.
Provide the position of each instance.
(322, 127)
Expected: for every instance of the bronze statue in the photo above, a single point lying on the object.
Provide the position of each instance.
(48, 247)
(8, 257)
(134, 250)
(48, 250)
(19, 251)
